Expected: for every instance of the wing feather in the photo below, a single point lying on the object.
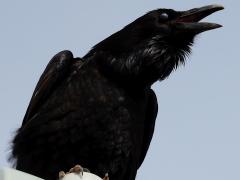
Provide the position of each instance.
(56, 70)
(152, 109)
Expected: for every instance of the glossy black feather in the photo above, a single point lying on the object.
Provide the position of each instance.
(87, 120)
(100, 111)
(55, 72)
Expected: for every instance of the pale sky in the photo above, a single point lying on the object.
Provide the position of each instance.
(198, 125)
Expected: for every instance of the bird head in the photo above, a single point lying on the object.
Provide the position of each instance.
(152, 46)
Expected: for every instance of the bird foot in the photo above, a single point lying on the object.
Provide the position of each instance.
(76, 169)
(106, 177)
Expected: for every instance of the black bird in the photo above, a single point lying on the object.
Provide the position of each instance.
(99, 111)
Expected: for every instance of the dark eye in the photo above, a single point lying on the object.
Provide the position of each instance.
(163, 16)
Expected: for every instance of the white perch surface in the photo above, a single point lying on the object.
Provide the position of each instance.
(86, 176)
(12, 174)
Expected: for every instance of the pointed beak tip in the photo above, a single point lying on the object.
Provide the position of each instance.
(217, 6)
(216, 26)
(190, 20)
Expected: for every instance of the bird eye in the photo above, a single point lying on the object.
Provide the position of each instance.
(163, 16)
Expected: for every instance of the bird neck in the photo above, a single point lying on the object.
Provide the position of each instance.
(125, 70)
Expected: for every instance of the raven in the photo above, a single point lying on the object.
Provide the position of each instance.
(99, 111)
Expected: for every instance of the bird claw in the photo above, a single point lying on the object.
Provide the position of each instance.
(61, 174)
(86, 170)
(76, 169)
(106, 177)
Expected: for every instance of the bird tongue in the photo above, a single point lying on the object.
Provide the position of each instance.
(189, 20)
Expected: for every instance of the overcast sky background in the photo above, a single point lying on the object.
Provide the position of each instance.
(198, 125)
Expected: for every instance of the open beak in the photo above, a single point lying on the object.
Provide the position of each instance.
(189, 20)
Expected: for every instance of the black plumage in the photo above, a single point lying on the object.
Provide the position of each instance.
(99, 111)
